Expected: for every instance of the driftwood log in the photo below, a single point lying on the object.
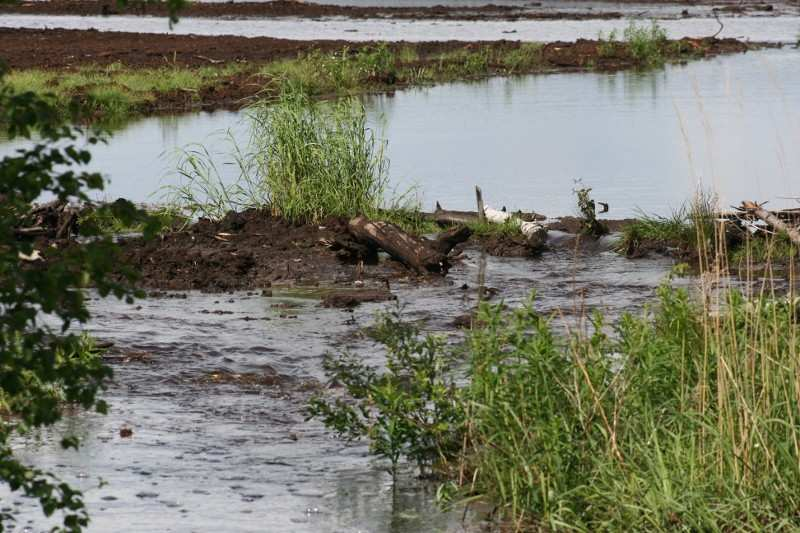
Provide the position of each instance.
(56, 219)
(420, 254)
(773, 220)
(446, 217)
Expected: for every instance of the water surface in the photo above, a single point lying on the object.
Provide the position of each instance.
(755, 28)
(643, 141)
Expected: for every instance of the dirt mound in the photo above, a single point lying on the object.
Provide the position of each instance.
(246, 251)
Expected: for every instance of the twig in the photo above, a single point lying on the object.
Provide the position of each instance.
(721, 25)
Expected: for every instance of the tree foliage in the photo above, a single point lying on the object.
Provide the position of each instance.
(43, 363)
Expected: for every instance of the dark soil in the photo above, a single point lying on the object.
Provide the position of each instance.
(247, 251)
(59, 49)
(290, 8)
(254, 251)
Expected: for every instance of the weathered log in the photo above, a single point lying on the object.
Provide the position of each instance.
(447, 240)
(481, 207)
(446, 217)
(351, 250)
(535, 233)
(772, 220)
(416, 253)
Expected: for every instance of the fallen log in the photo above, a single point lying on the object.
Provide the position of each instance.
(447, 217)
(535, 233)
(417, 253)
(349, 249)
(771, 219)
(447, 240)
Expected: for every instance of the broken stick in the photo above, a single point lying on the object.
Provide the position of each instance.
(772, 220)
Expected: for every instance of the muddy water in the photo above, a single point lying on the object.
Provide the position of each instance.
(238, 458)
(756, 28)
(642, 141)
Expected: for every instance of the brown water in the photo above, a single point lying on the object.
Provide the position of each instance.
(237, 458)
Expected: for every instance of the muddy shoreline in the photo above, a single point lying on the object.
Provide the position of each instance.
(289, 8)
(67, 49)
(73, 50)
(255, 251)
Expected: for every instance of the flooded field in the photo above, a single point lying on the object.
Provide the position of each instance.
(208, 430)
(209, 453)
(755, 28)
(643, 141)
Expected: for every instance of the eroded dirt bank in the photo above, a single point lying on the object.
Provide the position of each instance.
(289, 8)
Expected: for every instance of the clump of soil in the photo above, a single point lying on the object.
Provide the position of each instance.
(571, 224)
(245, 251)
(504, 245)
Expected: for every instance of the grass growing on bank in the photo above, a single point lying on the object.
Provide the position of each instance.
(687, 229)
(108, 95)
(116, 92)
(690, 233)
(306, 161)
(648, 45)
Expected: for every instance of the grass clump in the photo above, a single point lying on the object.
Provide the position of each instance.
(318, 160)
(647, 45)
(526, 57)
(688, 230)
(306, 161)
(685, 417)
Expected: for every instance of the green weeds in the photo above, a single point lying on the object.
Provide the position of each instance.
(647, 45)
(684, 417)
(306, 161)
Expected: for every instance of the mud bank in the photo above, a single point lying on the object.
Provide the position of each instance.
(287, 8)
(254, 251)
(242, 64)
(58, 48)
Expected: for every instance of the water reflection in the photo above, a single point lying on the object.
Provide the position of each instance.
(641, 140)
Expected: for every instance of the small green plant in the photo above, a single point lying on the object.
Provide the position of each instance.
(524, 58)
(607, 46)
(590, 225)
(646, 44)
(411, 410)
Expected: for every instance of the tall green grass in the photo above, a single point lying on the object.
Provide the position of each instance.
(318, 159)
(686, 418)
(306, 161)
(683, 416)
